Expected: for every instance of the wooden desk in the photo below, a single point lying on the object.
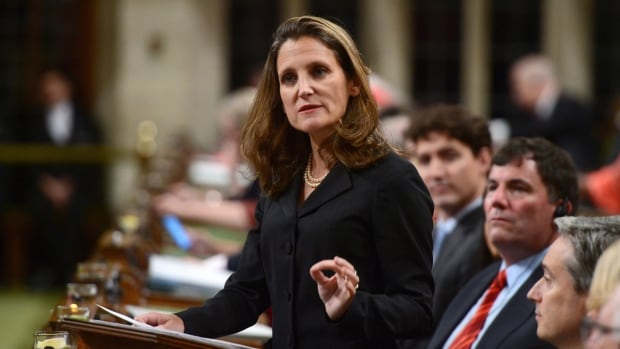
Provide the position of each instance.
(102, 335)
(128, 258)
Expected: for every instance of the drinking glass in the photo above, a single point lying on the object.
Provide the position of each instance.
(51, 339)
(72, 311)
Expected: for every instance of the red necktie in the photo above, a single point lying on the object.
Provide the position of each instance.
(470, 332)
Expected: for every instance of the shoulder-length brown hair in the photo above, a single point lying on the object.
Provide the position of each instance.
(276, 151)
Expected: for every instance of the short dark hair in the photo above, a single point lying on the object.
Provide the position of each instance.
(555, 167)
(454, 120)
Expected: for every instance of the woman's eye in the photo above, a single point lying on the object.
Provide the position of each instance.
(288, 79)
(320, 71)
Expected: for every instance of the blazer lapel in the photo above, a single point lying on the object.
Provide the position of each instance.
(337, 181)
(288, 200)
(463, 302)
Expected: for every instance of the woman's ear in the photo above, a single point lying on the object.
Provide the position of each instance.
(354, 90)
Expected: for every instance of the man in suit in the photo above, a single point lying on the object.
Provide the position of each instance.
(531, 181)
(560, 295)
(546, 111)
(452, 151)
(59, 193)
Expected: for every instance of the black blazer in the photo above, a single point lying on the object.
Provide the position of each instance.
(513, 328)
(464, 253)
(379, 219)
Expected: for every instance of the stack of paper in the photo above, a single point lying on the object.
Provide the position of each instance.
(206, 276)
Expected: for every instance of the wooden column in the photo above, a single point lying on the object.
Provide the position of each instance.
(475, 56)
(567, 34)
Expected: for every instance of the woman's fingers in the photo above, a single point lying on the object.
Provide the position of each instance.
(341, 268)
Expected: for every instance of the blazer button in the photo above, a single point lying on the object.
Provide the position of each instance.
(289, 296)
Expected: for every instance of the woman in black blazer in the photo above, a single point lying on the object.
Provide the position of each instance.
(342, 247)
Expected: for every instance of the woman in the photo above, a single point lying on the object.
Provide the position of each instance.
(604, 281)
(342, 246)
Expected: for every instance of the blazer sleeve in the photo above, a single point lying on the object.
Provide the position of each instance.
(401, 226)
(244, 297)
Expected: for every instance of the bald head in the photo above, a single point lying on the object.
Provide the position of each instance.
(529, 76)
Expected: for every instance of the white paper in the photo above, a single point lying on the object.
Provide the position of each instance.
(257, 331)
(123, 317)
(210, 273)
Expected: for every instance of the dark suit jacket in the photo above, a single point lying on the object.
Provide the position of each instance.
(570, 126)
(379, 219)
(513, 328)
(464, 253)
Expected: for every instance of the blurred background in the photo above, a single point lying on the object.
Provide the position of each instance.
(150, 74)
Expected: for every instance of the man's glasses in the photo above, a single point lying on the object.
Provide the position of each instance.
(588, 326)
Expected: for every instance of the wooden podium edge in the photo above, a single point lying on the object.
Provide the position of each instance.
(78, 325)
(160, 339)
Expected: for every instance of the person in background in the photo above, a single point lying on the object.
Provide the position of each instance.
(61, 195)
(394, 122)
(601, 187)
(547, 111)
(606, 277)
(560, 294)
(342, 249)
(452, 151)
(530, 183)
(604, 333)
(234, 212)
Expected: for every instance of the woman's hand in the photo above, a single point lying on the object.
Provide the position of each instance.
(338, 290)
(166, 321)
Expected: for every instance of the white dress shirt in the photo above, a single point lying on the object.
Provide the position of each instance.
(59, 119)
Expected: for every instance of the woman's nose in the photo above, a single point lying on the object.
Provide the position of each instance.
(305, 87)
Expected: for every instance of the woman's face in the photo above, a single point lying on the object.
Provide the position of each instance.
(313, 86)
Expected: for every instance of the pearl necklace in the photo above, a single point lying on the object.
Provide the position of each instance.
(310, 180)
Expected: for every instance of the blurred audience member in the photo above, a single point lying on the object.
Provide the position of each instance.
(602, 187)
(386, 95)
(606, 277)
(452, 151)
(601, 327)
(212, 207)
(604, 332)
(60, 193)
(551, 113)
(394, 122)
(560, 294)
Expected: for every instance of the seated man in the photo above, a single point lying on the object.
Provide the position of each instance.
(531, 181)
(560, 295)
(451, 149)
